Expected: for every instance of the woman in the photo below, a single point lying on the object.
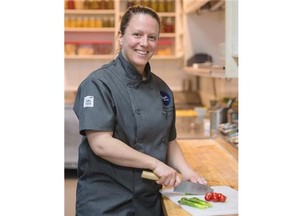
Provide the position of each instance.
(127, 119)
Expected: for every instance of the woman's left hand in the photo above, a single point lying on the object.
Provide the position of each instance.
(194, 177)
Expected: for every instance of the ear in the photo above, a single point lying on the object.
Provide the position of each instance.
(120, 38)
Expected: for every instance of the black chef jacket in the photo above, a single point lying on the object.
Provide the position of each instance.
(140, 113)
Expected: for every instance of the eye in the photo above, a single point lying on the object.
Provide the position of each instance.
(152, 38)
(137, 35)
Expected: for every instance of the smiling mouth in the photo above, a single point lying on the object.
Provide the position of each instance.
(142, 53)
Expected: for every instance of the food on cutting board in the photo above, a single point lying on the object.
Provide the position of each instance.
(194, 202)
(215, 197)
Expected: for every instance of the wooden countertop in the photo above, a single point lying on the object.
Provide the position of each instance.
(211, 159)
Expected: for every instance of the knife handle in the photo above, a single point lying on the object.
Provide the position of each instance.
(149, 175)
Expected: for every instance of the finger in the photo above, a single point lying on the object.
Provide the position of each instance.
(169, 181)
(163, 181)
(202, 180)
(177, 181)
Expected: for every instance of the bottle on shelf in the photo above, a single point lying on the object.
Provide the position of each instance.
(170, 7)
(154, 5)
(169, 26)
(70, 4)
(130, 3)
(79, 4)
(87, 4)
(161, 6)
(110, 4)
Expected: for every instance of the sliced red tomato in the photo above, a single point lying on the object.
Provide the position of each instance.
(208, 196)
(222, 198)
(215, 197)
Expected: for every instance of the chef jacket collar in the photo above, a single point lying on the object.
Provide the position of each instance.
(131, 72)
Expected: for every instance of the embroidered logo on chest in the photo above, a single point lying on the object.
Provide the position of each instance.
(166, 98)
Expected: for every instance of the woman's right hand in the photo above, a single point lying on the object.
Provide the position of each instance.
(168, 176)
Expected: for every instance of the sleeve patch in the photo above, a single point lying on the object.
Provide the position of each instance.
(88, 101)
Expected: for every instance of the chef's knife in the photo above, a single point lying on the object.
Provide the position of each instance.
(184, 187)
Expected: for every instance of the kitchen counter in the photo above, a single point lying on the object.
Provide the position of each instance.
(214, 159)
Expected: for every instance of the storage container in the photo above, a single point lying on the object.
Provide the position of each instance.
(165, 47)
(86, 48)
(104, 47)
(70, 48)
(215, 119)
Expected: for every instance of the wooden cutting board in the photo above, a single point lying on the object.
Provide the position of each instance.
(227, 208)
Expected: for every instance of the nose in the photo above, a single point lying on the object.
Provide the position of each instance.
(144, 41)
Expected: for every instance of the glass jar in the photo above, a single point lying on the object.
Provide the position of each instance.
(85, 48)
(70, 48)
(110, 4)
(79, 4)
(85, 23)
(104, 47)
(170, 7)
(70, 4)
(154, 5)
(98, 22)
(106, 23)
(91, 22)
(169, 26)
(165, 47)
(87, 4)
(161, 6)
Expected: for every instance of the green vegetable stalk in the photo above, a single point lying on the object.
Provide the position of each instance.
(194, 202)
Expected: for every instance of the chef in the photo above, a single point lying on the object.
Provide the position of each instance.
(127, 118)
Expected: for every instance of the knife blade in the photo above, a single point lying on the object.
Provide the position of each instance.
(184, 187)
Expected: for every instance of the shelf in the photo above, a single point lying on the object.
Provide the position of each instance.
(160, 14)
(166, 14)
(193, 5)
(87, 57)
(76, 36)
(227, 24)
(163, 35)
(205, 72)
(92, 12)
(166, 57)
(93, 57)
(106, 29)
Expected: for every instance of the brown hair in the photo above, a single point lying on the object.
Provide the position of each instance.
(136, 9)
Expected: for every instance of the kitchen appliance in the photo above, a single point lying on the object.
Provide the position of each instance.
(201, 58)
(215, 118)
(219, 112)
(185, 187)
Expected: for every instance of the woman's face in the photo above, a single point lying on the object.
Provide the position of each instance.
(139, 42)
